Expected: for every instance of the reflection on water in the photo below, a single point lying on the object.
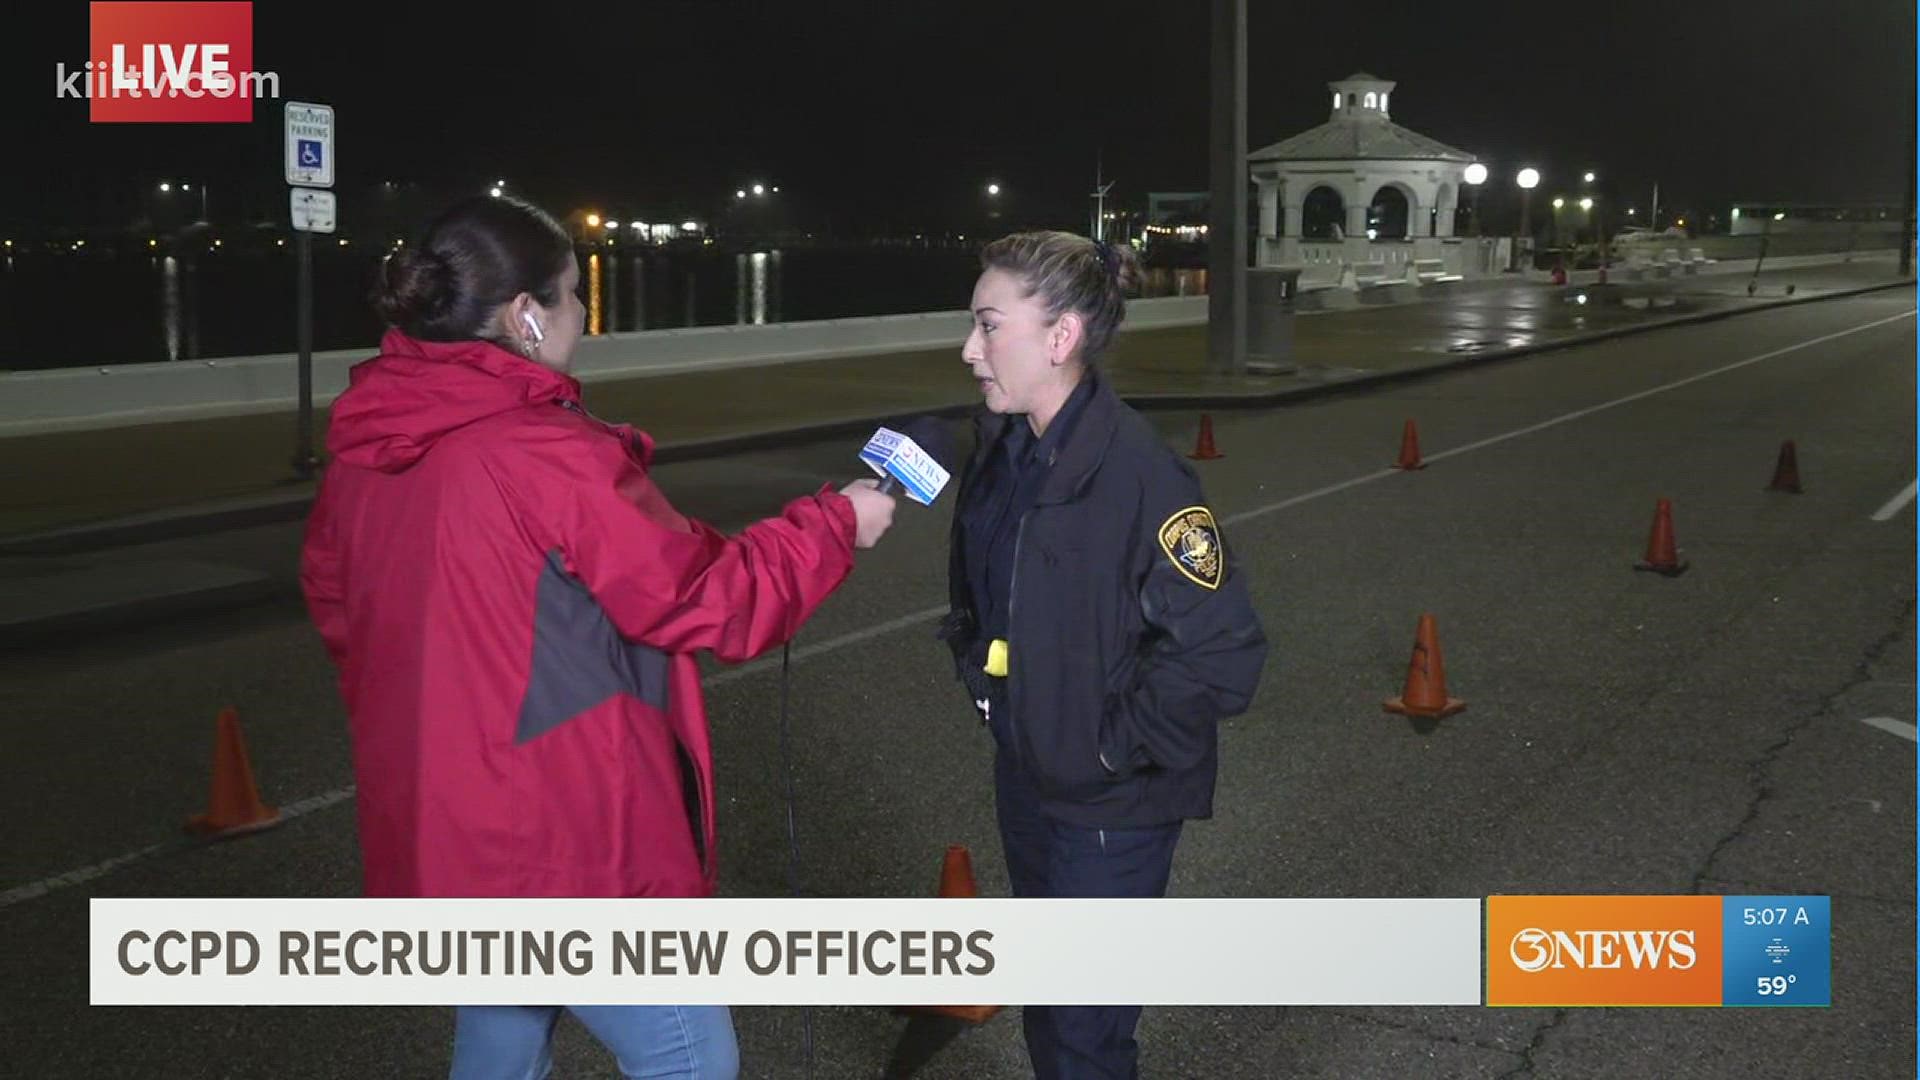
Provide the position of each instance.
(179, 308)
(594, 292)
(1165, 281)
(751, 287)
(195, 304)
(170, 304)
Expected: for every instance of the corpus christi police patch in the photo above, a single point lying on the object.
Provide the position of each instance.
(1192, 541)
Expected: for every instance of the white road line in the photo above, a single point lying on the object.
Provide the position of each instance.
(1895, 504)
(834, 644)
(1664, 387)
(1892, 727)
(101, 869)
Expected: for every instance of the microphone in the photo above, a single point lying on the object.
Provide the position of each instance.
(916, 460)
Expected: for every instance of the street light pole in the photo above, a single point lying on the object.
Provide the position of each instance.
(1526, 178)
(1227, 233)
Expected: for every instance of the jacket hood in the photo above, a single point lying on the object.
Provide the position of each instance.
(399, 404)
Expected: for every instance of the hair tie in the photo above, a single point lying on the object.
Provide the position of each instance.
(1109, 262)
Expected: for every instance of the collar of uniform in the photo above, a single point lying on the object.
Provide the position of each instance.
(1086, 443)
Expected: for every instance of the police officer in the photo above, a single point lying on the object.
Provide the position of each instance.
(1099, 620)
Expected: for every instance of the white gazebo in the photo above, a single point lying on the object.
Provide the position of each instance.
(1359, 190)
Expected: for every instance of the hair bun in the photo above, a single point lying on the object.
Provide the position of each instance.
(1123, 266)
(416, 287)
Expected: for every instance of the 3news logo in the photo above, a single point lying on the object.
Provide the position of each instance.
(1534, 949)
(168, 63)
(1658, 950)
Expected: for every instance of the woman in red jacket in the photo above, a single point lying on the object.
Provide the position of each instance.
(514, 610)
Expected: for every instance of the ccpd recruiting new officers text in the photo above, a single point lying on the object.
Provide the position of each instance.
(553, 952)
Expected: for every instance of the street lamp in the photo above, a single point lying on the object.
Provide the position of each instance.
(759, 189)
(1586, 204)
(1528, 179)
(1588, 178)
(1475, 176)
(993, 189)
(166, 187)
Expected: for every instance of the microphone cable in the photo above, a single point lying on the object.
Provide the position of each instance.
(793, 836)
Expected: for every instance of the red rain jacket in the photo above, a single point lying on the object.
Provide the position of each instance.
(514, 610)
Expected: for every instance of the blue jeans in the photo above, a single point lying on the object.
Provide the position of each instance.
(514, 1042)
(1050, 858)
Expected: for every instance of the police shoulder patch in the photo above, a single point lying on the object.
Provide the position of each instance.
(1191, 542)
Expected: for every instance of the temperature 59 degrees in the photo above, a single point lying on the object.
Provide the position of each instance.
(1775, 985)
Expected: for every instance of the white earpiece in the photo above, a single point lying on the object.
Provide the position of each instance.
(533, 327)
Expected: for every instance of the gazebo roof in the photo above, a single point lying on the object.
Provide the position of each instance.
(1360, 132)
(1362, 138)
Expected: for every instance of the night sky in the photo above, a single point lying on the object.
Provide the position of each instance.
(895, 114)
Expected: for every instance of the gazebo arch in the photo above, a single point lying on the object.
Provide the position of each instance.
(1323, 213)
(1390, 212)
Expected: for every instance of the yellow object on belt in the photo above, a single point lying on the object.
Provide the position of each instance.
(997, 658)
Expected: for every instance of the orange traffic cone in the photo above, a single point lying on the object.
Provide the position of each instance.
(1425, 694)
(956, 874)
(1409, 449)
(1661, 556)
(1204, 449)
(233, 805)
(1786, 472)
(956, 882)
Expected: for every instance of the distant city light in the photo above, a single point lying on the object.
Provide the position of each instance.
(759, 189)
(343, 242)
(279, 243)
(613, 224)
(152, 243)
(1476, 173)
(1588, 178)
(494, 191)
(690, 226)
(1528, 178)
(1558, 202)
(740, 194)
(1586, 204)
(1630, 212)
(1679, 221)
(166, 187)
(1781, 216)
(776, 189)
(499, 183)
(593, 221)
(993, 189)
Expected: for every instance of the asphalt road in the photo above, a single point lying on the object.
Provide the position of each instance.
(1625, 732)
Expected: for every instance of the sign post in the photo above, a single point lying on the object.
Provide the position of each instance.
(309, 160)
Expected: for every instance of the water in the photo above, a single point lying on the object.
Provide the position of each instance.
(75, 309)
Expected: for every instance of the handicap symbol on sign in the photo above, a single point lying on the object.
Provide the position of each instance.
(309, 154)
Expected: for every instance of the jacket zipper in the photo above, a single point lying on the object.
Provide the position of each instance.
(1013, 591)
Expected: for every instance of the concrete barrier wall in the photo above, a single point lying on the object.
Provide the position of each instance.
(73, 399)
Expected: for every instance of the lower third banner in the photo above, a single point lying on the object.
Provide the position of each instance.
(785, 952)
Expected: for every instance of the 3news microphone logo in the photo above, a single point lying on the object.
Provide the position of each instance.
(1659, 950)
(168, 63)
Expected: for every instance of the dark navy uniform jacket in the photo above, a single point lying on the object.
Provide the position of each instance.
(1130, 631)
